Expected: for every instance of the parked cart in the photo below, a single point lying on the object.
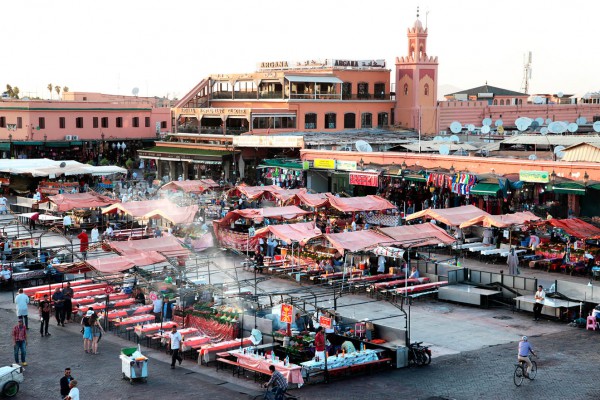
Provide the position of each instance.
(133, 364)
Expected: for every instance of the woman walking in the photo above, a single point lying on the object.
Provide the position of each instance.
(96, 332)
(87, 331)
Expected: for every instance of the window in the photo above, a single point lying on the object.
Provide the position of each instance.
(346, 90)
(495, 102)
(310, 121)
(62, 124)
(147, 122)
(79, 122)
(502, 102)
(42, 123)
(366, 120)
(19, 122)
(426, 90)
(349, 121)
(119, 122)
(406, 89)
(382, 119)
(379, 91)
(105, 122)
(135, 122)
(362, 89)
(330, 121)
(2, 122)
(95, 122)
(520, 101)
(163, 124)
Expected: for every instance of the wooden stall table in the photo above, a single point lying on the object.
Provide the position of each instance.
(128, 312)
(341, 362)
(148, 329)
(208, 353)
(101, 306)
(39, 293)
(556, 308)
(98, 299)
(256, 363)
(88, 293)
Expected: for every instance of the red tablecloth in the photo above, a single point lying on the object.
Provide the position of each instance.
(129, 312)
(135, 320)
(90, 300)
(208, 351)
(143, 330)
(88, 293)
(30, 291)
(292, 372)
(41, 292)
(112, 304)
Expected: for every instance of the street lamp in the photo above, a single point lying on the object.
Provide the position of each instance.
(553, 177)
(361, 163)
(586, 179)
(452, 170)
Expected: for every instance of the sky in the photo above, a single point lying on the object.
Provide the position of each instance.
(165, 48)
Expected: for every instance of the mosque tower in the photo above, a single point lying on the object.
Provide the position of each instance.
(416, 84)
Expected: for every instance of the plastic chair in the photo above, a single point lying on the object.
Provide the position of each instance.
(591, 323)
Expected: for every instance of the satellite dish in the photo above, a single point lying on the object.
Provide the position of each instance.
(523, 123)
(537, 100)
(485, 129)
(454, 138)
(533, 157)
(560, 94)
(447, 139)
(558, 149)
(557, 127)
(596, 126)
(572, 127)
(471, 128)
(438, 139)
(548, 121)
(498, 122)
(455, 127)
(544, 131)
(444, 150)
(62, 164)
(135, 91)
(581, 121)
(363, 146)
(486, 122)
(461, 152)
(540, 121)
(534, 125)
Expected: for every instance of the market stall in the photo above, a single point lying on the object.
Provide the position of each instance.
(69, 201)
(449, 216)
(191, 186)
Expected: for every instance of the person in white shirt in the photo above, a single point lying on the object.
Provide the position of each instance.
(22, 301)
(95, 234)
(540, 296)
(353, 226)
(108, 232)
(381, 265)
(3, 203)
(37, 196)
(74, 392)
(175, 346)
(67, 222)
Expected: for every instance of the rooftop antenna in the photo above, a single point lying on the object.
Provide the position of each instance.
(426, 15)
(526, 72)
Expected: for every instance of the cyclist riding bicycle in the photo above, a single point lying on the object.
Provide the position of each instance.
(524, 349)
(278, 382)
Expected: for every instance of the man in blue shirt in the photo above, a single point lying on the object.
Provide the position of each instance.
(524, 349)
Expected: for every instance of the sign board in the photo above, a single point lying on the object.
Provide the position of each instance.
(287, 313)
(345, 165)
(268, 141)
(108, 289)
(305, 166)
(534, 176)
(364, 179)
(316, 64)
(24, 243)
(323, 163)
(325, 322)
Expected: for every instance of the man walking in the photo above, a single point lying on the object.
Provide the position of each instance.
(22, 301)
(175, 345)
(68, 305)
(64, 383)
(59, 307)
(44, 308)
(19, 337)
(83, 243)
(540, 297)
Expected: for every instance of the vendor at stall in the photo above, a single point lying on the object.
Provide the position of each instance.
(320, 344)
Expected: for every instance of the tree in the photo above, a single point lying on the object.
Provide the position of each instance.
(13, 92)
(65, 89)
(50, 87)
(16, 92)
(57, 88)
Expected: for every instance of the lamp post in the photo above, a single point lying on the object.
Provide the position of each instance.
(361, 163)
(452, 170)
(10, 145)
(586, 179)
(552, 178)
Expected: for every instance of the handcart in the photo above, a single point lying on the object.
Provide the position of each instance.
(133, 364)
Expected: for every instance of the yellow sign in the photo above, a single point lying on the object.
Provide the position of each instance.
(534, 176)
(268, 141)
(323, 163)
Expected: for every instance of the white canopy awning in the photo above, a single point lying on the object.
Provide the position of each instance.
(313, 79)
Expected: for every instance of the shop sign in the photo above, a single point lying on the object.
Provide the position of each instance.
(345, 165)
(534, 176)
(323, 163)
(199, 112)
(358, 63)
(24, 243)
(268, 141)
(364, 179)
(325, 322)
(287, 313)
(305, 165)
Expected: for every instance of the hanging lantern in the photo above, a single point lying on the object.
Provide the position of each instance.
(119, 146)
(114, 145)
(123, 146)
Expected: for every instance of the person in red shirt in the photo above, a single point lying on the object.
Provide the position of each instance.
(19, 337)
(320, 344)
(83, 243)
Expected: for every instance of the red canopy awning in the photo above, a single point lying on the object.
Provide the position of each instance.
(359, 240)
(192, 186)
(363, 203)
(449, 216)
(111, 265)
(301, 232)
(288, 196)
(502, 221)
(576, 227)
(253, 192)
(418, 235)
(167, 245)
(314, 199)
(259, 214)
(69, 201)
(162, 208)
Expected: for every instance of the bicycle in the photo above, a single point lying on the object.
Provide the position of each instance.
(269, 395)
(418, 355)
(520, 369)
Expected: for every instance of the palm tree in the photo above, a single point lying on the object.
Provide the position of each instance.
(16, 92)
(50, 87)
(57, 88)
(9, 90)
(65, 89)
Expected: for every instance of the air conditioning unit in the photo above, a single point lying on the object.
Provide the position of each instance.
(74, 137)
(69, 137)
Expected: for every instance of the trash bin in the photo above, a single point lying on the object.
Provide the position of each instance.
(133, 364)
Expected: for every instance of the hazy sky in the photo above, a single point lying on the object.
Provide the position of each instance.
(166, 47)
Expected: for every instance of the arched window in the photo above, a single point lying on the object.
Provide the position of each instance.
(495, 102)
(366, 120)
(349, 121)
(310, 121)
(406, 89)
(501, 102)
(426, 90)
(520, 101)
(330, 121)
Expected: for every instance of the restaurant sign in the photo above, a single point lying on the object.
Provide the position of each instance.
(325, 322)
(323, 163)
(364, 179)
(534, 176)
(268, 141)
(287, 313)
(345, 165)
(199, 112)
